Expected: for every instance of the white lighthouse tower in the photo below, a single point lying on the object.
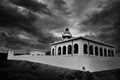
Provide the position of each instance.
(66, 35)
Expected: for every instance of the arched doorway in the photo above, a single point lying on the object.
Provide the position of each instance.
(69, 49)
(76, 49)
(59, 51)
(85, 49)
(96, 51)
(105, 52)
(101, 51)
(64, 50)
(91, 50)
(52, 51)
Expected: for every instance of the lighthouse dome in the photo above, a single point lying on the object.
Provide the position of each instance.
(66, 34)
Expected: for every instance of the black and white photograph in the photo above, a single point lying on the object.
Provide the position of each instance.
(59, 39)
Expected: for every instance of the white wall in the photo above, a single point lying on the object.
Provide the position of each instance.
(56, 46)
(74, 62)
(61, 61)
(80, 43)
(36, 53)
(99, 63)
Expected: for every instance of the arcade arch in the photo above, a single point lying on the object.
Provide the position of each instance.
(69, 49)
(76, 48)
(96, 51)
(109, 53)
(64, 50)
(53, 50)
(101, 51)
(105, 52)
(59, 51)
(85, 49)
(91, 50)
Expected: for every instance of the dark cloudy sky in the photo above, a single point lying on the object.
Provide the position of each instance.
(34, 24)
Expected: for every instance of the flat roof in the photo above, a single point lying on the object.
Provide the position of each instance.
(98, 42)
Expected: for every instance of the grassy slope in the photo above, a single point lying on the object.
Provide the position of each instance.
(108, 75)
(24, 70)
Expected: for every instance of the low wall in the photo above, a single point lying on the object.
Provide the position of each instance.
(74, 62)
(99, 63)
(61, 61)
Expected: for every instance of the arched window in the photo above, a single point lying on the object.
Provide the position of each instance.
(52, 51)
(64, 50)
(85, 49)
(76, 49)
(105, 52)
(59, 51)
(69, 49)
(91, 50)
(96, 51)
(101, 51)
(109, 53)
(112, 53)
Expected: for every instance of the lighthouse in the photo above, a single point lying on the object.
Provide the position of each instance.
(66, 35)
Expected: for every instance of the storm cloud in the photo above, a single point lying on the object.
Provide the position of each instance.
(21, 21)
(106, 23)
(34, 24)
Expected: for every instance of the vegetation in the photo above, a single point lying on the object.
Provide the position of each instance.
(25, 70)
(108, 75)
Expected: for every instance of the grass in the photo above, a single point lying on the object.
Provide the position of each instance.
(25, 70)
(108, 74)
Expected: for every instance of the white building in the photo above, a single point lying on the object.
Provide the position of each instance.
(37, 53)
(81, 46)
(84, 54)
(77, 53)
(10, 53)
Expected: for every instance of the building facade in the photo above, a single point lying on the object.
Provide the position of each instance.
(81, 46)
(77, 53)
(37, 53)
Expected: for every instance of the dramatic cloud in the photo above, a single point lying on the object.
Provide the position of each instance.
(32, 5)
(31, 24)
(20, 22)
(106, 23)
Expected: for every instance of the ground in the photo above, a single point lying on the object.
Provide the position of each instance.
(25, 70)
